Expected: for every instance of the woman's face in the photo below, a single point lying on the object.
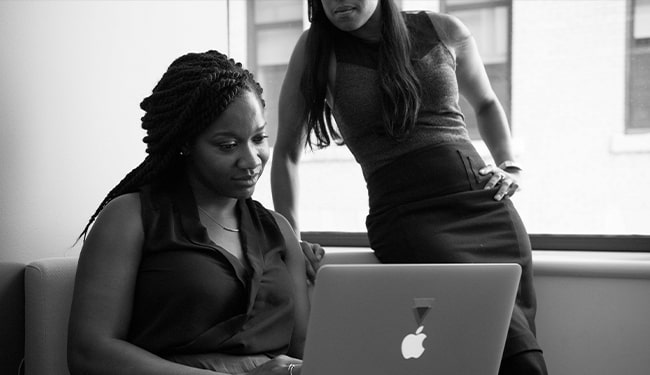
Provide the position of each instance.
(228, 157)
(349, 15)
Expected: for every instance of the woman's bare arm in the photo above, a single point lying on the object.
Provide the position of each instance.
(103, 298)
(290, 139)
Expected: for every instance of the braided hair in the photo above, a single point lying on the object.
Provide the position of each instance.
(190, 96)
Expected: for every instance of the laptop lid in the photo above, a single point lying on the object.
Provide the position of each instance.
(394, 319)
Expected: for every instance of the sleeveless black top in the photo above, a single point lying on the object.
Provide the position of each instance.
(357, 96)
(194, 297)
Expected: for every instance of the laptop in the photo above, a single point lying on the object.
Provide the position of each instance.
(410, 319)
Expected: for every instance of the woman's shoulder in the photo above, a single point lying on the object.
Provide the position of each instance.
(121, 212)
(451, 30)
(301, 43)
(282, 222)
(119, 222)
(128, 204)
(266, 213)
(279, 221)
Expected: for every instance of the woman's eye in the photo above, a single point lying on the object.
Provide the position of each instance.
(260, 138)
(227, 146)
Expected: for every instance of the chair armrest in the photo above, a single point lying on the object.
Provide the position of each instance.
(49, 285)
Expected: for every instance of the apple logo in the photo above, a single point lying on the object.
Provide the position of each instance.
(412, 344)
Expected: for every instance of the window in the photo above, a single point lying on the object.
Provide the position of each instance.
(639, 67)
(569, 82)
(275, 28)
(489, 22)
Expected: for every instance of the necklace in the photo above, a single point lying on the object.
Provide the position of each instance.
(235, 230)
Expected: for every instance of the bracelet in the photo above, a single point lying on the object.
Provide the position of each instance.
(509, 164)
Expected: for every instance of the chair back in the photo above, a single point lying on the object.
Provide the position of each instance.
(49, 285)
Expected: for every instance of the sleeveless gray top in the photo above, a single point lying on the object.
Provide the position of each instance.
(357, 96)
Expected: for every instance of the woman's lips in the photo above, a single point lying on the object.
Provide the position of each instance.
(343, 10)
(247, 180)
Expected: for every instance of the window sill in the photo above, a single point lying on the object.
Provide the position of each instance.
(619, 265)
(630, 143)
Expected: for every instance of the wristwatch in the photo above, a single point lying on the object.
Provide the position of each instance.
(509, 164)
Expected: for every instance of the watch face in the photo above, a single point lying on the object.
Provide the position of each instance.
(510, 165)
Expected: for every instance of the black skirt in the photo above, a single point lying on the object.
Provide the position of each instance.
(429, 206)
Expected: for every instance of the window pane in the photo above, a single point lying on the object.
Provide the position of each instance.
(639, 80)
(276, 29)
(640, 90)
(274, 46)
(642, 19)
(490, 30)
(269, 11)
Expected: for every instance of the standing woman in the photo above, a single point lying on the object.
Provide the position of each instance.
(182, 272)
(392, 81)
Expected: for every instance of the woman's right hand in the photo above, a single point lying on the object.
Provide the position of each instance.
(280, 365)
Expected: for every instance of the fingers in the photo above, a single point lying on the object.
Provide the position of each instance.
(507, 188)
(506, 184)
(495, 179)
(313, 255)
(284, 365)
(294, 368)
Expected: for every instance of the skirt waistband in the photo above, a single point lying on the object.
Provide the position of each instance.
(425, 173)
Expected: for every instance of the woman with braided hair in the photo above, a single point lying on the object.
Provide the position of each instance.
(182, 272)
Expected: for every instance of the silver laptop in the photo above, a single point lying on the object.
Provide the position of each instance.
(397, 319)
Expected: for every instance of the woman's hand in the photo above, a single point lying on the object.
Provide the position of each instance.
(280, 365)
(507, 182)
(313, 255)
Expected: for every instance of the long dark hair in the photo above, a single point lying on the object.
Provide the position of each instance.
(400, 86)
(193, 92)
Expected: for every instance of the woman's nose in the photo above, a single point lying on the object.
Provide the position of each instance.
(250, 158)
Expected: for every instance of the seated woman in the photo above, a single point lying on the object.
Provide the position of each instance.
(182, 272)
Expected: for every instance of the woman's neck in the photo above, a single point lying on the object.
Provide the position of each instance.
(216, 205)
(371, 30)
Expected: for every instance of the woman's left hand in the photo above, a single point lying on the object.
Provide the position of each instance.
(313, 255)
(507, 182)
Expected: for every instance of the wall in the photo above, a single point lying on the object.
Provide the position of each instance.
(72, 75)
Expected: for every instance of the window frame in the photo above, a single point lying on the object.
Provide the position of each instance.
(447, 6)
(254, 28)
(253, 64)
(539, 242)
(633, 47)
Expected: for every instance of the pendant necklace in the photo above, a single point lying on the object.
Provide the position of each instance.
(234, 230)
